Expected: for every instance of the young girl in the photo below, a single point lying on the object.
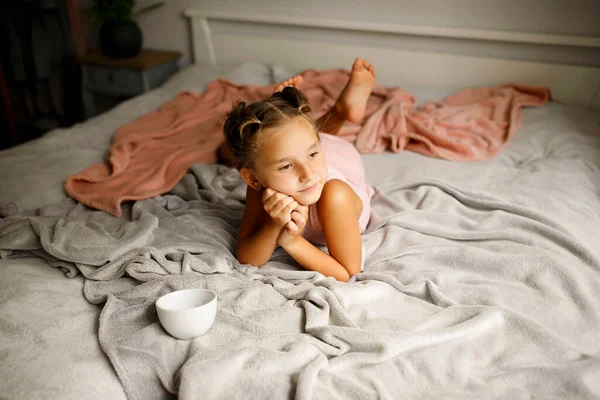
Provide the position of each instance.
(304, 187)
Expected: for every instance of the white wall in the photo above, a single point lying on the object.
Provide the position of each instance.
(167, 28)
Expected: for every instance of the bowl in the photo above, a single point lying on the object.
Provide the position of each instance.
(187, 314)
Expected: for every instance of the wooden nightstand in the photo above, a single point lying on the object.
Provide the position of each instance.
(125, 77)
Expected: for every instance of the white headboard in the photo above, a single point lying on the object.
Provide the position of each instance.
(399, 52)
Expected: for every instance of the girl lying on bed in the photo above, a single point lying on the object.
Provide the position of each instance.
(304, 187)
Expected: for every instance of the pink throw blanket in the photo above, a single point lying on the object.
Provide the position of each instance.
(151, 154)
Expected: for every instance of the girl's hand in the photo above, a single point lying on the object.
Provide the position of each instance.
(279, 206)
(294, 228)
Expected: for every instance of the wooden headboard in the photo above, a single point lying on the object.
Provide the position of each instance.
(402, 54)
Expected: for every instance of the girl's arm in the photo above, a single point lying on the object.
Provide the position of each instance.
(338, 208)
(259, 232)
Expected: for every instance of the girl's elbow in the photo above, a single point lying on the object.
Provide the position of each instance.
(348, 273)
(250, 261)
(343, 276)
(248, 257)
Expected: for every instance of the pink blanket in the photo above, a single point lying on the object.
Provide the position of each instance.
(151, 154)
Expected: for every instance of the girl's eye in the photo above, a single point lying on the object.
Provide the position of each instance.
(313, 155)
(285, 167)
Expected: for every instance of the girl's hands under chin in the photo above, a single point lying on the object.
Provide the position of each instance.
(293, 229)
(279, 206)
(286, 213)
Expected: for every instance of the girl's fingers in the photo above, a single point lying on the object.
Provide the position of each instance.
(291, 227)
(303, 210)
(289, 208)
(271, 201)
(281, 205)
(267, 193)
(298, 218)
(271, 197)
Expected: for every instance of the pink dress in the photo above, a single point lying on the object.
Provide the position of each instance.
(343, 163)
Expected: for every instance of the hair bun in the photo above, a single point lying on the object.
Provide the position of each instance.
(238, 112)
(296, 99)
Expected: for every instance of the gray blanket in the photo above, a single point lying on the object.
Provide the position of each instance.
(476, 285)
(481, 280)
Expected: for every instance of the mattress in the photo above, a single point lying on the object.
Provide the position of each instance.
(480, 279)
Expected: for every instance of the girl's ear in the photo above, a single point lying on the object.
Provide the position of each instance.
(250, 177)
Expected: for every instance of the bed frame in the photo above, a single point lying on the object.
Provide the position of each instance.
(415, 55)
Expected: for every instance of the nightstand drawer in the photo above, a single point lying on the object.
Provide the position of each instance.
(127, 77)
(114, 81)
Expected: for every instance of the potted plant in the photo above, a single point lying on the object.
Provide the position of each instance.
(120, 36)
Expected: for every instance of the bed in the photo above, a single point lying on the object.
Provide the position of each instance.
(481, 280)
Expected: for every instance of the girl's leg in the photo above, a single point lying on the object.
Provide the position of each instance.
(351, 103)
(331, 122)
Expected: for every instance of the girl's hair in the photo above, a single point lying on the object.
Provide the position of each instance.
(244, 123)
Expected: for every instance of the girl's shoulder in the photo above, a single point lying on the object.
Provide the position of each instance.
(335, 190)
(336, 195)
(337, 199)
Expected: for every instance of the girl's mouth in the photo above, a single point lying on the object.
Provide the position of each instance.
(310, 188)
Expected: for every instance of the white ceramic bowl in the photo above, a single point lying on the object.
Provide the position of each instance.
(187, 314)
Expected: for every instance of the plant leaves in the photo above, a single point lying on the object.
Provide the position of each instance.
(116, 10)
(148, 8)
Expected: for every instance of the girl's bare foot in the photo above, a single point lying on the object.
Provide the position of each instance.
(352, 103)
(295, 81)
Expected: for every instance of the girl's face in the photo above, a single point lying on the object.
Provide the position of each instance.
(290, 161)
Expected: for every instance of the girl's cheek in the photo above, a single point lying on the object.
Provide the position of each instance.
(280, 186)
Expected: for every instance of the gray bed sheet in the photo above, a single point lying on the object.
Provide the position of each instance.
(48, 330)
(482, 280)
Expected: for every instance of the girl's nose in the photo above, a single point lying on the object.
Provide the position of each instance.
(305, 173)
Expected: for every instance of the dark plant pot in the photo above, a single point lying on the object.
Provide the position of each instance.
(120, 39)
